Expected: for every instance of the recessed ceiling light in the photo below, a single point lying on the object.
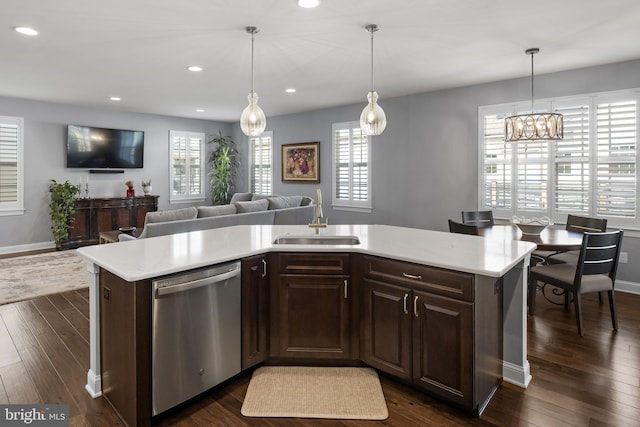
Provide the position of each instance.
(27, 31)
(194, 68)
(115, 98)
(290, 90)
(308, 4)
(199, 110)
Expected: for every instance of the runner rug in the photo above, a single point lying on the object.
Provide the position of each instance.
(32, 276)
(315, 392)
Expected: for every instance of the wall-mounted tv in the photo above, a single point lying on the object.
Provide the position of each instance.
(99, 148)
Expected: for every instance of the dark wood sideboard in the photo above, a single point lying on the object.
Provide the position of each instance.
(94, 215)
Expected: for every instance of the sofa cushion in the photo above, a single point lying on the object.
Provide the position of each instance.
(172, 215)
(207, 211)
(262, 196)
(252, 206)
(306, 201)
(241, 197)
(283, 202)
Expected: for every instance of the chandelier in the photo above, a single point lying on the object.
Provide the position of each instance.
(534, 126)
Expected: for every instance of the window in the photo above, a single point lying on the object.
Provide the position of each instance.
(186, 165)
(11, 165)
(591, 172)
(261, 163)
(351, 168)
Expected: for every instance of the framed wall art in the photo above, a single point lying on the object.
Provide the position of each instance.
(301, 162)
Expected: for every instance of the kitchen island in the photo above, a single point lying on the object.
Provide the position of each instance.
(485, 261)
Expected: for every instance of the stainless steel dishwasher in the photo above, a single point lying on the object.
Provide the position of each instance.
(196, 333)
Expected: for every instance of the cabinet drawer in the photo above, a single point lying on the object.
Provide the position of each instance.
(438, 281)
(313, 263)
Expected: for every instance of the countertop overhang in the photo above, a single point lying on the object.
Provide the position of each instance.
(159, 256)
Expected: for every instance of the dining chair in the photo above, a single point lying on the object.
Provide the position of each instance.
(456, 227)
(578, 224)
(595, 272)
(479, 218)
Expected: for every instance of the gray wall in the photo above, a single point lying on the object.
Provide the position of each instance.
(45, 136)
(424, 165)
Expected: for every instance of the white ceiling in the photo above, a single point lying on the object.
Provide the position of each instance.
(139, 50)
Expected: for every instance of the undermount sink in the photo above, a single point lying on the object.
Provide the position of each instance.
(317, 240)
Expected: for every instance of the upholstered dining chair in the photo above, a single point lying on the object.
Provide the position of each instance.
(479, 218)
(595, 271)
(456, 227)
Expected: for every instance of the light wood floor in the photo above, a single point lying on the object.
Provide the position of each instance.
(589, 381)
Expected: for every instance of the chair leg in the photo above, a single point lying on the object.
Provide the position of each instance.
(566, 300)
(533, 285)
(600, 297)
(612, 308)
(576, 303)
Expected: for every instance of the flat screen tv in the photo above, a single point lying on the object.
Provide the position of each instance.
(99, 148)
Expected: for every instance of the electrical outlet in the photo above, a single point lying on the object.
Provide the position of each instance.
(624, 257)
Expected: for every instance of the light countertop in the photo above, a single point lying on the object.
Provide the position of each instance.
(159, 256)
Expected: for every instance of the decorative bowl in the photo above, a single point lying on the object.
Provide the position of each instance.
(127, 230)
(532, 226)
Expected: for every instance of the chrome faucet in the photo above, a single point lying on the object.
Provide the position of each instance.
(317, 224)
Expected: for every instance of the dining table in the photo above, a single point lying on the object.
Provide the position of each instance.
(550, 239)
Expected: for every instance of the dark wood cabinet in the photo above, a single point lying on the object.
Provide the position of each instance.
(125, 347)
(255, 310)
(311, 306)
(435, 328)
(106, 214)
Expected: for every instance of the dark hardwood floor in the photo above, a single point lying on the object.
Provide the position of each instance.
(589, 381)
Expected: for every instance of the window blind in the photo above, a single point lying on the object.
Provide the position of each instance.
(187, 167)
(261, 160)
(352, 170)
(9, 173)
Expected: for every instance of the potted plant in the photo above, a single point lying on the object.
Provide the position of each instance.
(61, 209)
(223, 163)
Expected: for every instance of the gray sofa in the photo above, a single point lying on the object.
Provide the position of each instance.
(244, 209)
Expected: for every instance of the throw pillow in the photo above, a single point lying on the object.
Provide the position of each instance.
(306, 201)
(283, 202)
(207, 211)
(262, 196)
(241, 197)
(173, 215)
(253, 206)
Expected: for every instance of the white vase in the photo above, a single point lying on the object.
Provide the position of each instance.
(146, 189)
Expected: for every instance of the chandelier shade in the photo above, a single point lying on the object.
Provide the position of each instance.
(534, 126)
(373, 121)
(253, 121)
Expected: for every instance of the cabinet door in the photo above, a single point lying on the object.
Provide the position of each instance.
(255, 315)
(443, 347)
(313, 316)
(387, 317)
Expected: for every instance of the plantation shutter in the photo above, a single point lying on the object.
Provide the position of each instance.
(352, 173)
(9, 138)
(187, 167)
(261, 159)
(496, 188)
(572, 178)
(616, 159)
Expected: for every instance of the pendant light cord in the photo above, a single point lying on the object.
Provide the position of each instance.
(532, 110)
(253, 32)
(372, 31)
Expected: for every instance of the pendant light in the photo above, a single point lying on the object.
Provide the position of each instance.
(372, 120)
(253, 121)
(534, 126)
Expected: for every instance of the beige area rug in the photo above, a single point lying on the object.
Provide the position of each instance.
(318, 392)
(32, 276)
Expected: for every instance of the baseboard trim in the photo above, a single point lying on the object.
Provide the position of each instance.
(94, 384)
(516, 375)
(27, 248)
(628, 287)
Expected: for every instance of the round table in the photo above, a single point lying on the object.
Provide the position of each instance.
(551, 239)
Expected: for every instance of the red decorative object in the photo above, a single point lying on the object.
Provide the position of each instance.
(131, 192)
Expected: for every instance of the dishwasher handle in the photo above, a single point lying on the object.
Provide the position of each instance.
(184, 286)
